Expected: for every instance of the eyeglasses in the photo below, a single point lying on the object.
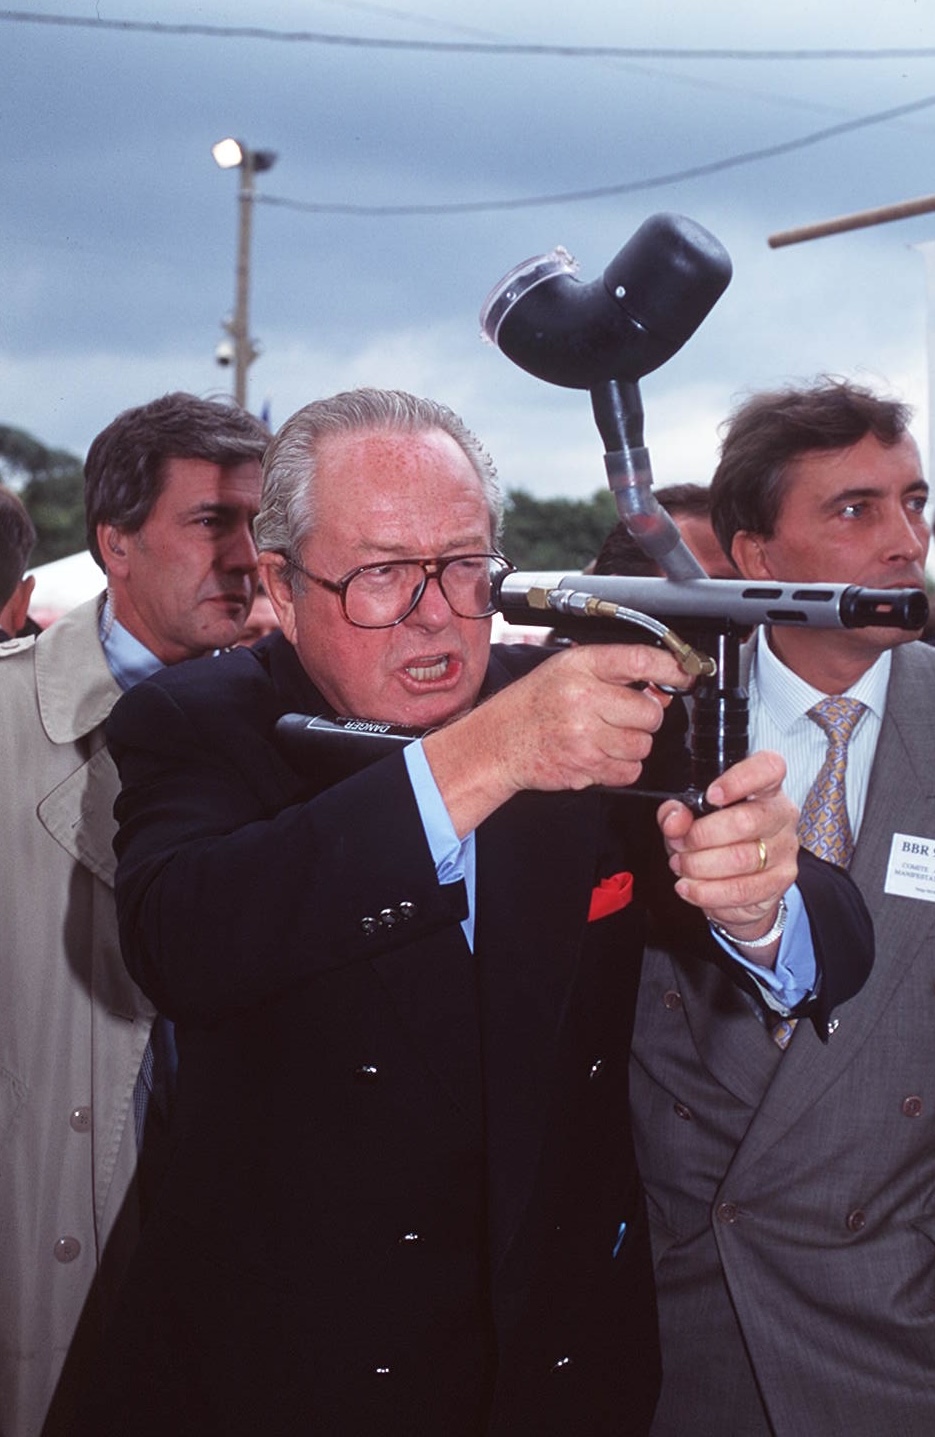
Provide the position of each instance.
(379, 596)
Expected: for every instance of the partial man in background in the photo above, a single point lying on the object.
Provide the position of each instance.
(790, 1172)
(17, 540)
(690, 506)
(261, 619)
(171, 490)
(402, 1198)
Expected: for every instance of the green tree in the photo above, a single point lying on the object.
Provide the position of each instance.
(556, 533)
(50, 483)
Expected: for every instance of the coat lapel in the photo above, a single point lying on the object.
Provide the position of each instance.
(900, 799)
(431, 985)
(737, 1053)
(71, 644)
(528, 905)
(78, 812)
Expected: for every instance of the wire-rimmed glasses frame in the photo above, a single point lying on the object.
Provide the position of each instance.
(364, 608)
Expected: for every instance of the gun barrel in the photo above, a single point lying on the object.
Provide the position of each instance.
(523, 598)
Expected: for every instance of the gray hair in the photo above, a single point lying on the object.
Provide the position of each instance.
(287, 507)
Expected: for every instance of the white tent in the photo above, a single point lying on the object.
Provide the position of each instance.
(63, 584)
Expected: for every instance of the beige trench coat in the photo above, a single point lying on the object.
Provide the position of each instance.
(73, 1027)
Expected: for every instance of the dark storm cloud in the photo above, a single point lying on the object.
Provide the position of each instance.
(118, 232)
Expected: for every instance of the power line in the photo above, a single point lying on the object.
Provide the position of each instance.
(602, 192)
(455, 47)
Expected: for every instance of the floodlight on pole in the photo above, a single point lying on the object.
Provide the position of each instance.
(232, 154)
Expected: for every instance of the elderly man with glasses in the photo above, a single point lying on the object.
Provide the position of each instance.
(402, 1198)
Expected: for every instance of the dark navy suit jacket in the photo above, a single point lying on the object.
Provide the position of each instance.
(402, 1197)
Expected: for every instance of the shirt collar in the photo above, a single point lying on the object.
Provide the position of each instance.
(128, 660)
(788, 697)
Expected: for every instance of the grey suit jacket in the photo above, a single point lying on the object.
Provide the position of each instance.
(793, 1195)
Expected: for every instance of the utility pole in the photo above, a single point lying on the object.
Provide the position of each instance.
(862, 219)
(857, 221)
(233, 154)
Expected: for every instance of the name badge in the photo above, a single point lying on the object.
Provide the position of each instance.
(910, 872)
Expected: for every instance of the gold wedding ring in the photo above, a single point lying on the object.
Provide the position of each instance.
(764, 857)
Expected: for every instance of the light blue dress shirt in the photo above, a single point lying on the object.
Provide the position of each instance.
(128, 660)
(779, 703)
(454, 857)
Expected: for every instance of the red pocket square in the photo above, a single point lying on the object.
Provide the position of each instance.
(610, 895)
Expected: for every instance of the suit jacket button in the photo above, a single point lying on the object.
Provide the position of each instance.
(66, 1249)
(407, 910)
(681, 1111)
(596, 1067)
(389, 917)
(727, 1212)
(857, 1220)
(366, 1073)
(80, 1120)
(672, 1000)
(912, 1107)
(369, 925)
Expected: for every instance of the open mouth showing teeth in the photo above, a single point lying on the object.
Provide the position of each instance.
(427, 672)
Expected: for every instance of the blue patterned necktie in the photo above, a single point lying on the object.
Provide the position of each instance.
(824, 827)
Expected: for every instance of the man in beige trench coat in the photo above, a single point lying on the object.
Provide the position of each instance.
(171, 491)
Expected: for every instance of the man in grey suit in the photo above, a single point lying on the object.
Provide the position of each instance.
(791, 1182)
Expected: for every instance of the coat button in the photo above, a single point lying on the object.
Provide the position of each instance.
(727, 1212)
(912, 1107)
(857, 1220)
(389, 917)
(382, 1371)
(407, 910)
(369, 925)
(366, 1073)
(596, 1067)
(672, 1000)
(66, 1249)
(562, 1365)
(411, 1237)
(80, 1120)
(681, 1111)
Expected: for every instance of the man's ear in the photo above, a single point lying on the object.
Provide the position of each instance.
(748, 552)
(272, 568)
(21, 598)
(14, 611)
(112, 543)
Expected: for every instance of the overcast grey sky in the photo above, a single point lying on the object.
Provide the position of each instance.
(118, 232)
